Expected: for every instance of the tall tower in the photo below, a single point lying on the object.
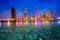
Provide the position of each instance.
(50, 13)
(13, 13)
(25, 12)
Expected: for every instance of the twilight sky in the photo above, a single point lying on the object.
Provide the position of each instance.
(43, 6)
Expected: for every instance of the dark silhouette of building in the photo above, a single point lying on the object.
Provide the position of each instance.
(13, 16)
(13, 13)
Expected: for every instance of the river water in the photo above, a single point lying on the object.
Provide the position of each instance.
(42, 32)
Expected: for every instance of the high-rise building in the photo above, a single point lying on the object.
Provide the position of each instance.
(46, 16)
(50, 13)
(13, 16)
(26, 19)
(25, 12)
(13, 13)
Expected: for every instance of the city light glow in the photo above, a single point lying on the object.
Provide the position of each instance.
(38, 23)
(35, 20)
(29, 19)
(0, 22)
(8, 23)
(46, 22)
(59, 21)
(17, 23)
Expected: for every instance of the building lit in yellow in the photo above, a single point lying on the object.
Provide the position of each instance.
(25, 20)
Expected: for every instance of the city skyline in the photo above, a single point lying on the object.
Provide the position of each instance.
(32, 6)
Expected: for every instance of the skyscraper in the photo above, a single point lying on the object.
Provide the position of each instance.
(26, 19)
(13, 13)
(25, 12)
(50, 13)
(13, 16)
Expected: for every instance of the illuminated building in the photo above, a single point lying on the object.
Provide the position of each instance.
(26, 19)
(46, 16)
(50, 14)
(25, 12)
(34, 20)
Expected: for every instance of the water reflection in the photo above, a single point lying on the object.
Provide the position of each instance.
(0, 23)
(46, 22)
(38, 23)
(8, 23)
(59, 21)
(30, 33)
(31, 23)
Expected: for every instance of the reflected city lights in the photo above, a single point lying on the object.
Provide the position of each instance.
(16, 22)
(26, 23)
(20, 23)
(38, 22)
(8, 23)
(33, 22)
(26, 20)
(0, 23)
(59, 21)
(43, 22)
(46, 22)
